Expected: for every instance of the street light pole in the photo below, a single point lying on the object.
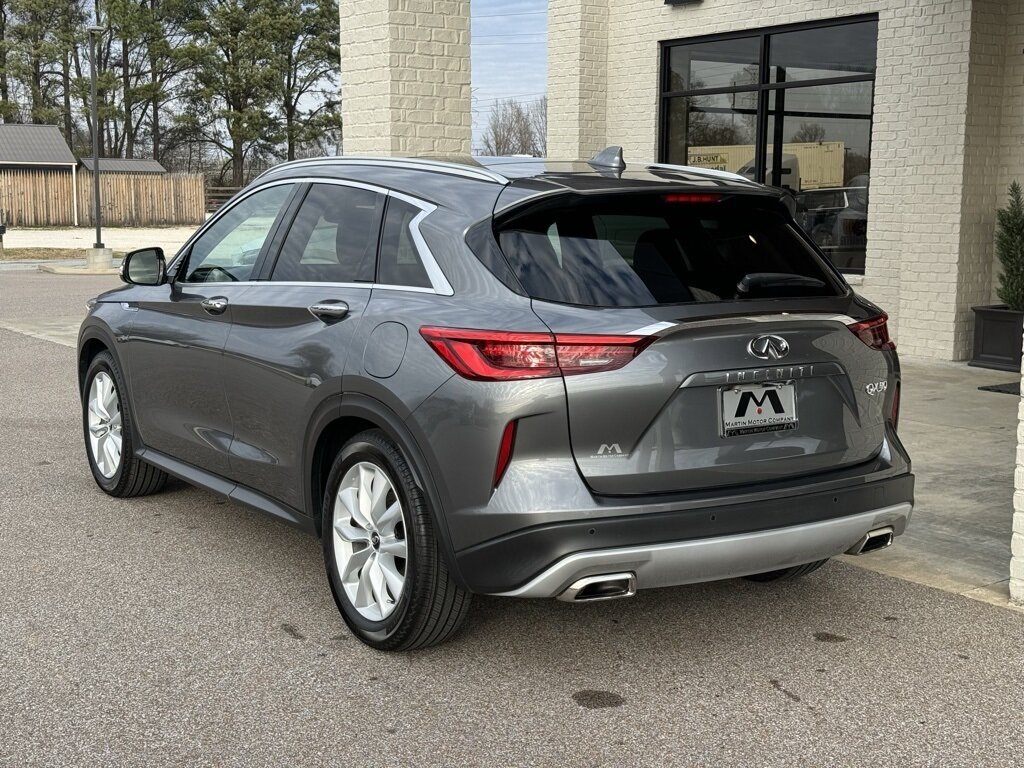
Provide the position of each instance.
(93, 32)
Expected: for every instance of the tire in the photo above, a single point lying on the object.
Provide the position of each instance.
(112, 424)
(787, 573)
(429, 606)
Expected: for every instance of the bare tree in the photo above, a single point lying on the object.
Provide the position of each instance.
(538, 114)
(809, 133)
(509, 131)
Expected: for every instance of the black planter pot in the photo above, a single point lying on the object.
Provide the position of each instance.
(997, 338)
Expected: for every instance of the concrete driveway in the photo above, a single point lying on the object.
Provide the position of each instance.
(182, 629)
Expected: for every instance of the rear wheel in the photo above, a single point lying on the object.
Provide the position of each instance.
(787, 573)
(106, 421)
(388, 576)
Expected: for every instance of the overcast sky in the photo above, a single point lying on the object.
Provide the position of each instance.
(509, 52)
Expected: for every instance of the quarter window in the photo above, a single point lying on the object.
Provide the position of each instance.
(399, 260)
(228, 250)
(333, 238)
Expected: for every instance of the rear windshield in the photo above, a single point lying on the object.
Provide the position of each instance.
(644, 250)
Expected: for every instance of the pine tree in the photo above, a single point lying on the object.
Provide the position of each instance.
(308, 62)
(1010, 250)
(234, 79)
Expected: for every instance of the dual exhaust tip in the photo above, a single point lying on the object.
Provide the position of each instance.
(880, 538)
(612, 586)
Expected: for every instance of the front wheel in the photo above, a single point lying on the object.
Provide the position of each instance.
(386, 571)
(106, 421)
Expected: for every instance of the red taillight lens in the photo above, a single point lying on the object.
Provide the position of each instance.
(874, 332)
(508, 441)
(504, 355)
(692, 197)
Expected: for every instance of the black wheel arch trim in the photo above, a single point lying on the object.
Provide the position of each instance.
(97, 330)
(383, 417)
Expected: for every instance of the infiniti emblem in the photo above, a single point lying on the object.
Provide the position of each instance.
(768, 347)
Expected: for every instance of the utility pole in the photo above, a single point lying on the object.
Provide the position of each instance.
(93, 31)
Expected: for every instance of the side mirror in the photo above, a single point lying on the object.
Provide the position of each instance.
(144, 267)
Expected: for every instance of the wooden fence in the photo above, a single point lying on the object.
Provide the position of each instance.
(45, 198)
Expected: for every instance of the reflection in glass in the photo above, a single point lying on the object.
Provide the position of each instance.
(714, 131)
(825, 52)
(723, 64)
(819, 149)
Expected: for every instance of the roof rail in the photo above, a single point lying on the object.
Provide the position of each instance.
(438, 166)
(713, 172)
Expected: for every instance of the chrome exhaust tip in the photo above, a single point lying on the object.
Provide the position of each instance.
(610, 586)
(880, 538)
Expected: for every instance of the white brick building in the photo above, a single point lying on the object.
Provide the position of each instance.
(940, 141)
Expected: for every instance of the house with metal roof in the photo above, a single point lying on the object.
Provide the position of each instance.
(42, 184)
(120, 165)
(34, 145)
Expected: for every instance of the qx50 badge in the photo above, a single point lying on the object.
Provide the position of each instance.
(768, 347)
(876, 387)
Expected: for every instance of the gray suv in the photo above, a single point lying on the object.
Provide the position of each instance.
(506, 377)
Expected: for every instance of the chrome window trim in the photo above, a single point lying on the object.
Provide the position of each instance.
(781, 317)
(438, 281)
(440, 166)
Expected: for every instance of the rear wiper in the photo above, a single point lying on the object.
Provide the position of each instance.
(756, 281)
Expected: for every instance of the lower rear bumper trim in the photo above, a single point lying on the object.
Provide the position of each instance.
(723, 557)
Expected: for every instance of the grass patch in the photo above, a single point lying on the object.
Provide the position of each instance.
(47, 254)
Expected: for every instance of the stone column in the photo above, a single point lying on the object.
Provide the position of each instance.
(577, 78)
(1017, 540)
(405, 77)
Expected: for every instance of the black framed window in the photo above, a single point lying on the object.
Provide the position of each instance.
(786, 106)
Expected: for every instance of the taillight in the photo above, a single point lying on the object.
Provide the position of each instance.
(504, 355)
(508, 441)
(874, 332)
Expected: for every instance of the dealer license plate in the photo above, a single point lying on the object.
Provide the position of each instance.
(748, 409)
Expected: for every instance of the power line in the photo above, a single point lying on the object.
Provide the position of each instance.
(521, 42)
(504, 15)
(515, 34)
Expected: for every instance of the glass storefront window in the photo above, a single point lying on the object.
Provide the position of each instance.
(724, 64)
(823, 53)
(801, 123)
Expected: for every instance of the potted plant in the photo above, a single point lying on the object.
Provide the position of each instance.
(998, 328)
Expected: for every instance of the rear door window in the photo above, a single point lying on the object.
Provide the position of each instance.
(643, 250)
(333, 238)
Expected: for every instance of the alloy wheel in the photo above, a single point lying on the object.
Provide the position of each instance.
(104, 424)
(370, 546)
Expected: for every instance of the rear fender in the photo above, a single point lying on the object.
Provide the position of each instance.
(368, 409)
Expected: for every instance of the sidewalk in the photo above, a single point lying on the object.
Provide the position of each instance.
(963, 444)
(117, 238)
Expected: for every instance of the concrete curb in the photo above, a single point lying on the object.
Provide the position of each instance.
(59, 270)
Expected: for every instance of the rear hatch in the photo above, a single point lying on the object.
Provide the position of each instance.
(746, 367)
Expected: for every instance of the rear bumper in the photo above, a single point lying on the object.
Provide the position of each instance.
(723, 557)
(686, 546)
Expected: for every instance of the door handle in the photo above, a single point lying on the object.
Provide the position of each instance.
(215, 306)
(329, 311)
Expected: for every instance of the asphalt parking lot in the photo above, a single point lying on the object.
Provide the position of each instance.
(181, 629)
